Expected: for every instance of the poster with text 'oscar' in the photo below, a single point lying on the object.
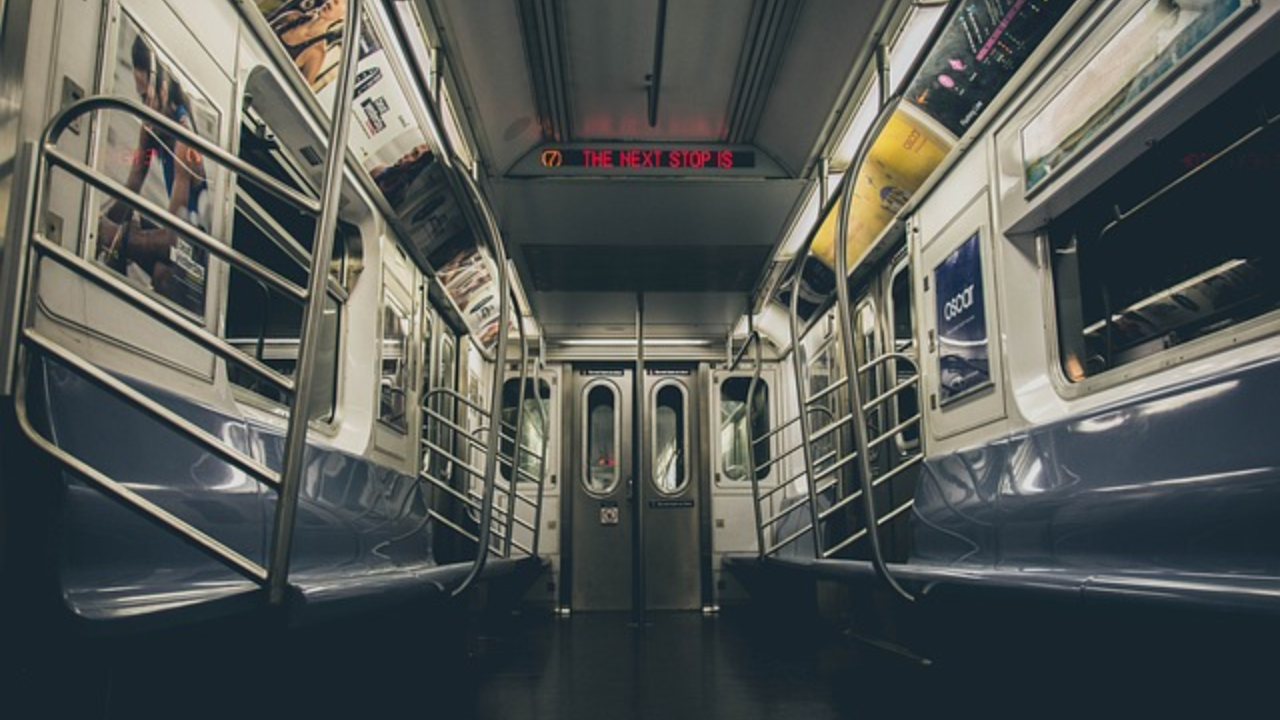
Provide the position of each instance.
(964, 360)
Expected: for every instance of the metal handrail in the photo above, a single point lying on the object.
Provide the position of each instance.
(753, 336)
(172, 222)
(274, 575)
(160, 312)
(798, 368)
(776, 430)
(753, 472)
(149, 510)
(494, 237)
(313, 311)
(516, 448)
(202, 437)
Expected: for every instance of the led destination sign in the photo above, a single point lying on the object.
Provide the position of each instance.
(636, 158)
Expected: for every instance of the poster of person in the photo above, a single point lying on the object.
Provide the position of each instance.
(312, 33)
(964, 360)
(158, 165)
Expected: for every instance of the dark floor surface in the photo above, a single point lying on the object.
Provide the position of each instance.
(737, 665)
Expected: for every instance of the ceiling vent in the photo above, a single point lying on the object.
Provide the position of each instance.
(772, 22)
(542, 25)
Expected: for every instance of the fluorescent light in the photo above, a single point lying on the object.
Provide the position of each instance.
(863, 118)
(803, 225)
(911, 39)
(422, 57)
(631, 342)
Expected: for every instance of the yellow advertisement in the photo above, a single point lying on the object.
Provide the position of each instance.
(901, 158)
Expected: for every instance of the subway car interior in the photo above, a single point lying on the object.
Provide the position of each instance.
(648, 359)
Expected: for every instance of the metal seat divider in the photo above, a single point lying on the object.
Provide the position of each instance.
(516, 447)
(798, 372)
(489, 230)
(274, 575)
(753, 472)
(313, 312)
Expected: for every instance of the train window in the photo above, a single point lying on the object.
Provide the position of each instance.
(394, 385)
(443, 377)
(736, 434)
(534, 425)
(428, 334)
(601, 447)
(823, 412)
(670, 437)
(907, 400)
(1153, 44)
(911, 39)
(900, 306)
(1170, 250)
(260, 320)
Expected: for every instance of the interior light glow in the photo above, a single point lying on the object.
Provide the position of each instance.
(857, 128)
(421, 56)
(631, 342)
(803, 224)
(911, 39)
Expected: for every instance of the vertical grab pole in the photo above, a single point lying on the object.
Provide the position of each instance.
(798, 364)
(495, 396)
(517, 435)
(312, 314)
(845, 316)
(545, 416)
(638, 592)
(752, 474)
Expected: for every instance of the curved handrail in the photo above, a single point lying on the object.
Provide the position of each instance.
(313, 314)
(752, 475)
(798, 372)
(274, 575)
(844, 313)
(888, 107)
(519, 432)
(542, 453)
(494, 238)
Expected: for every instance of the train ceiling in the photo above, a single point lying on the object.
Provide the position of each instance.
(765, 77)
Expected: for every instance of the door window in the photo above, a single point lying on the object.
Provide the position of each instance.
(735, 434)
(601, 461)
(670, 473)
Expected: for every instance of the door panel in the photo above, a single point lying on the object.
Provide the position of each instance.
(603, 506)
(601, 516)
(672, 491)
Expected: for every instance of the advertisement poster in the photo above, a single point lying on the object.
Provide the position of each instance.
(963, 347)
(312, 33)
(386, 135)
(160, 167)
(982, 47)
(1148, 48)
(468, 277)
(902, 157)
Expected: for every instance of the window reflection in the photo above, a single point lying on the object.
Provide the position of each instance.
(669, 440)
(533, 426)
(601, 463)
(735, 434)
(395, 376)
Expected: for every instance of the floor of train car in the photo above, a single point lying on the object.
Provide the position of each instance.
(535, 665)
